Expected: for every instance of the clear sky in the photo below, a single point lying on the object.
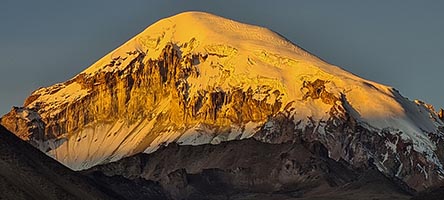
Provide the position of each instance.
(398, 43)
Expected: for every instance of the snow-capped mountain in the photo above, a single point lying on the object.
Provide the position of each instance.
(195, 78)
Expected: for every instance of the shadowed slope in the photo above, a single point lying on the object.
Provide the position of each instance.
(27, 173)
(248, 169)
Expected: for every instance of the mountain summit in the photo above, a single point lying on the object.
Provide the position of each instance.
(196, 78)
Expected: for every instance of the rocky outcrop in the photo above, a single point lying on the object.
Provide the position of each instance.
(25, 123)
(441, 114)
(316, 90)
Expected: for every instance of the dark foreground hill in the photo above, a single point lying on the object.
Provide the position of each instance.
(248, 169)
(27, 173)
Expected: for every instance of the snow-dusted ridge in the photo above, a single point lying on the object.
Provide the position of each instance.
(225, 55)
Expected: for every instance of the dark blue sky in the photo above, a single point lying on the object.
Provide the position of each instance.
(398, 43)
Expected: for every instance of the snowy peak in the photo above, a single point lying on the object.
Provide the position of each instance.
(251, 55)
(196, 78)
(203, 32)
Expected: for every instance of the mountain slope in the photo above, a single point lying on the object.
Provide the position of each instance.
(196, 78)
(248, 169)
(27, 173)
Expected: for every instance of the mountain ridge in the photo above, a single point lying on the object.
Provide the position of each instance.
(258, 170)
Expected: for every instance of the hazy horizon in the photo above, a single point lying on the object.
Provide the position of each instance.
(397, 44)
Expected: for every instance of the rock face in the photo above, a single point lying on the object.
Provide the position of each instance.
(196, 78)
(155, 92)
(22, 122)
(256, 170)
(441, 114)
